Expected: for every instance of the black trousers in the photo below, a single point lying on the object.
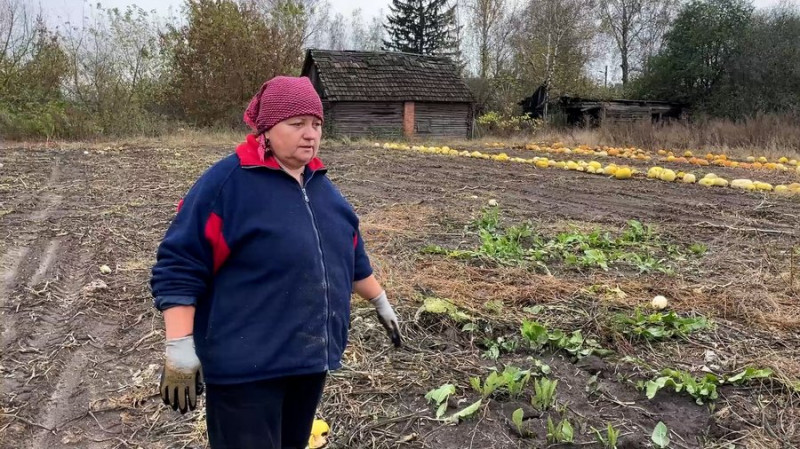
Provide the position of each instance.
(270, 414)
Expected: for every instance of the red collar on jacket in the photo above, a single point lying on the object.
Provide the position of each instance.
(249, 156)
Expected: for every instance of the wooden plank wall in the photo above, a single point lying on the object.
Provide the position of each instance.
(358, 118)
(626, 113)
(443, 119)
(596, 112)
(634, 113)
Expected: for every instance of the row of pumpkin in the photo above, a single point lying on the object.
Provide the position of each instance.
(614, 170)
(687, 157)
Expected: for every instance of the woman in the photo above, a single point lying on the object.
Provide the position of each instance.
(254, 278)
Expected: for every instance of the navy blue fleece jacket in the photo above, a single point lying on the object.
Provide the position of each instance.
(269, 265)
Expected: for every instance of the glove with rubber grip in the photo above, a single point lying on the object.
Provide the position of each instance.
(387, 318)
(182, 378)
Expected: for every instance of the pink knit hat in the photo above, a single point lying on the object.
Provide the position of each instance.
(281, 98)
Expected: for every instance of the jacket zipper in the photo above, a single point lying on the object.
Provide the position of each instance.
(322, 264)
(307, 202)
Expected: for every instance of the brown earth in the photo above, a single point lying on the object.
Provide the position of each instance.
(80, 351)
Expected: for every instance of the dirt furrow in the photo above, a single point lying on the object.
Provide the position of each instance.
(45, 263)
(71, 389)
(10, 264)
(46, 348)
(21, 257)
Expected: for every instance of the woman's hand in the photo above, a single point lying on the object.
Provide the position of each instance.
(182, 379)
(387, 318)
(369, 288)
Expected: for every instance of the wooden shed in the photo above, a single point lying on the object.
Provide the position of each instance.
(593, 112)
(390, 94)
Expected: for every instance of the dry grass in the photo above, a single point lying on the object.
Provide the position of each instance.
(766, 135)
(474, 286)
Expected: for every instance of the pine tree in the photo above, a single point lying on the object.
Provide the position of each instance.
(426, 27)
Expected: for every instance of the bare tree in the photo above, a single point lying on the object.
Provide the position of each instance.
(503, 38)
(358, 32)
(336, 35)
(340, 33)
(362, 36)
(375, 33)
(485, 18)
(637, 27)
(457, 37)
(300, 22)
(17, 37)
(109, 59)
(552, 42)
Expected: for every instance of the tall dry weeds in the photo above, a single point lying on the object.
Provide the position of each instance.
(767, 135)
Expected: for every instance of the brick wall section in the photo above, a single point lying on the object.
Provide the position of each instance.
(408, 118)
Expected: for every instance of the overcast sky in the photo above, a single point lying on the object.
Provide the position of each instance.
(72, 9)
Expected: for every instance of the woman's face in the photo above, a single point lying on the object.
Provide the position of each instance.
(295, 141)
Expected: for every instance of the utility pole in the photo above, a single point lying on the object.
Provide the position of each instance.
(605, 83)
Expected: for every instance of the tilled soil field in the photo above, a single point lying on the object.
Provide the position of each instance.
(81, 349)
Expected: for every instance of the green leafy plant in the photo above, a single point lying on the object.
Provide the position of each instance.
(573, 343)
(544, 393)
(487, 387)
(493, 352)
(516, 380)
(511, 381)
(501, 345)
(576, 344)
(466, 413)
(609, 441)
(443, 306)
(599, 249)
(748, 374)
(698, 249)
(516, 418)
(646, 263)
(535, 310)
(702, 389)
(542, 369)
(638, 233)
(660, 436)
(469, 327)
(505, 246)
(588, 258)
(561, 432)
(637, 246)
(439, 396)
(489, 220)
(503, 124)
(535, 333)
(659, 325)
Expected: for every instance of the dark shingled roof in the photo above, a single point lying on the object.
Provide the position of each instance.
(386, 76)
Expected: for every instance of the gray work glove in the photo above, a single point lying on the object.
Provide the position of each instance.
(387, 318)
(182, 378)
